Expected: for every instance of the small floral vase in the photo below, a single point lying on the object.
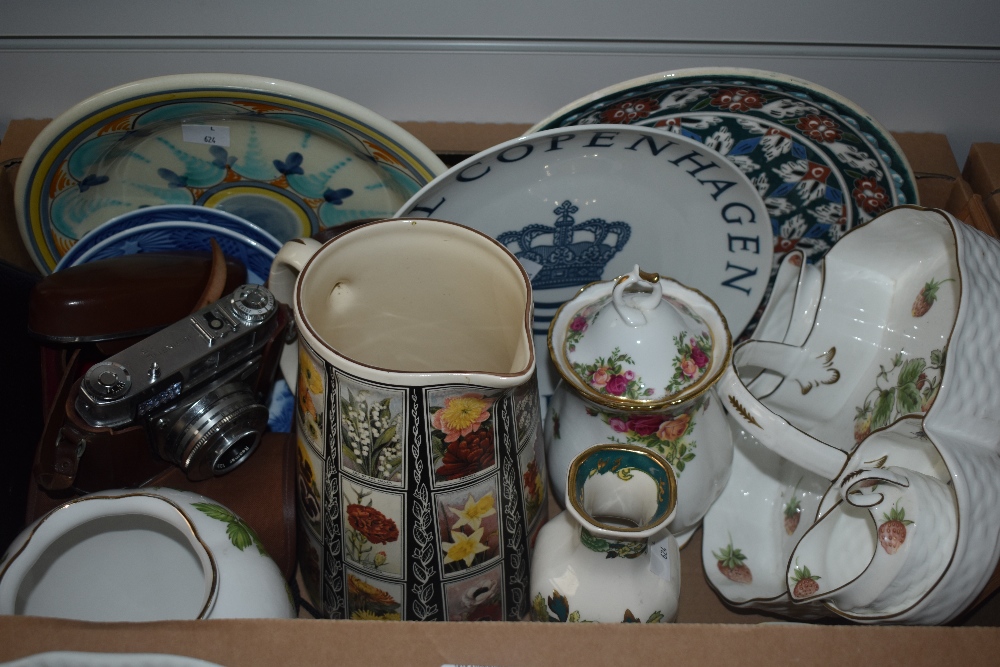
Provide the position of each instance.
(146, 554)
(422, 479)
(639, 358)
(609, 558)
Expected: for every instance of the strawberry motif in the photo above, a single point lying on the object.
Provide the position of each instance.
(805, 583)
(793, 511)
(862, 423)
(927, 297)
(892, 533)
(731, 565)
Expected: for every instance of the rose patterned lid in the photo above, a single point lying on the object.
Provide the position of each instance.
(639, 341)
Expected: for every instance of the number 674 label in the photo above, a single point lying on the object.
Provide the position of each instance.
(213, 135)
(664, 556)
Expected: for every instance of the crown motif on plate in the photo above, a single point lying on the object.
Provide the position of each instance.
(577, 252)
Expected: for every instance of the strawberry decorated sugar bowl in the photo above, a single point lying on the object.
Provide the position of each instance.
(639, 357)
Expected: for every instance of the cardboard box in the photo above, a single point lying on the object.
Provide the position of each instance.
(707, 632)
(982, 171)
(16, 141)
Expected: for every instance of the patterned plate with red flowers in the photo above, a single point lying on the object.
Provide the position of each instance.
(821, 164)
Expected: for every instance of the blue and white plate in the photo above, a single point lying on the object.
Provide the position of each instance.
(178, 213)
(582, 204)
(169, 236)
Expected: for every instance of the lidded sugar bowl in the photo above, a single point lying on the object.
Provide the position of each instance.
(639, 358)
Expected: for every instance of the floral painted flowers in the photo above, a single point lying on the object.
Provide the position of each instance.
(368, 527)
(608, 376)
(374, 526)
(663, 431)
(630, 111)
(369, 603)
(463, 436)
(470, 532)
(737, 99)
(371, 435)
(691, 361)
(462, 415)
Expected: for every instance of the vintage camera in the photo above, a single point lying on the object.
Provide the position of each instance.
(193, 392)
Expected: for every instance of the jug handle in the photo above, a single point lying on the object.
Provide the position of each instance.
(285, 269)
(772, 431)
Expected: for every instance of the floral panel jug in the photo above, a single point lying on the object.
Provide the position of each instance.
(421, 470)
(639, 357)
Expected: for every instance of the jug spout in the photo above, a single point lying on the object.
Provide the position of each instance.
(880, 548)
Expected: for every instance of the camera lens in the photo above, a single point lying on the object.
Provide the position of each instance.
(216, 433)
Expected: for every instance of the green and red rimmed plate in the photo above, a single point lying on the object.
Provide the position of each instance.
(822, 165)
(289, 158)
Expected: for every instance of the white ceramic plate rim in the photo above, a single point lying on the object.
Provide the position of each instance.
(70, 258)
(80, 112)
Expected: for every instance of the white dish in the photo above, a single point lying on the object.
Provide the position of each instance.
(586, 204)
(287, 157)
(894, 378)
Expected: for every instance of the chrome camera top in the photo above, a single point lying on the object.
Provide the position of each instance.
(190, 384)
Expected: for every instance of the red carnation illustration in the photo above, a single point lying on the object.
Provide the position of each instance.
(376, 527)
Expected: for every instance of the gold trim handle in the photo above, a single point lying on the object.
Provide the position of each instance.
(773, 431)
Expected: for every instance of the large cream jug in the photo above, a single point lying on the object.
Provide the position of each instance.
(421, 468)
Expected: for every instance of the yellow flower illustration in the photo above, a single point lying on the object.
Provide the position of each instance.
(306, 406)
(474, 512)
(312, 429)
(462, 415)
(305, 467)
(309, 373)
(465, 547)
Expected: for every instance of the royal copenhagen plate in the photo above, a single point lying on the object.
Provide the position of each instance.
(584, 204)
(179, 214)
(821, 164)
(169, 236)
(289, 158)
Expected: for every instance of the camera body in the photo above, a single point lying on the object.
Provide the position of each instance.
(191, 395)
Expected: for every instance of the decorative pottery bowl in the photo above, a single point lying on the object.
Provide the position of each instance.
(587, 204)
(901, 296)
(141, 555)
(289, 158)
(178, 235)
(639, 357)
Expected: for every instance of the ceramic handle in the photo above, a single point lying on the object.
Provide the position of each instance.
(632, 313)
(873, 476)
(771, 430)
(284, 272)
(286, 267)
(805, 304)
